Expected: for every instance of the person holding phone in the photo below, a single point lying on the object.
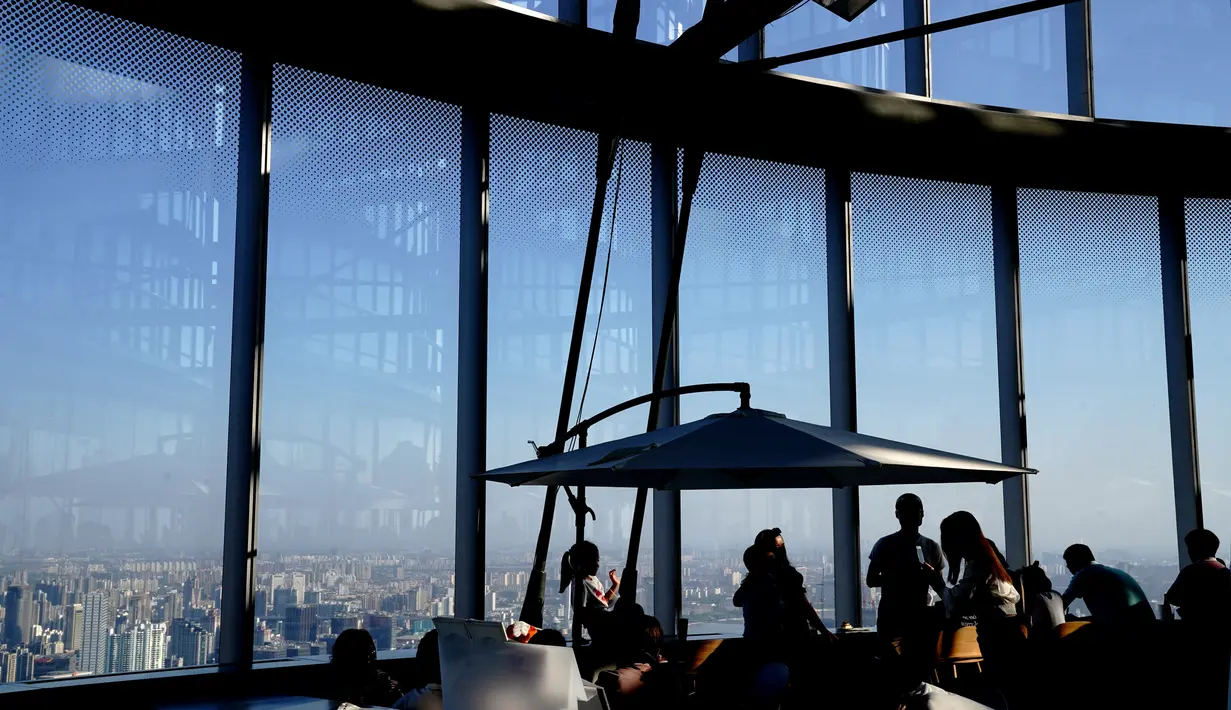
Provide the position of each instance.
(898, 567)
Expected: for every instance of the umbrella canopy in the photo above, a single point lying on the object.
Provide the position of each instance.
(750, 448)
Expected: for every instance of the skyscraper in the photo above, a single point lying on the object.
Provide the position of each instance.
(381, 628)
(284, 597)
(190, 594)
(25, 665)
(262, 604)
(8, 666)
(137, 648)
(99, 619)
(18, 616)
(190, 643)
(74, 626)
(300, 625)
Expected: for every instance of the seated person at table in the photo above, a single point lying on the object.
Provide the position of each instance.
(646, 680)
(1113, 597)
(1043, 605)
(427, 695)
(356, 678)
(896, 565)
(1202, 591)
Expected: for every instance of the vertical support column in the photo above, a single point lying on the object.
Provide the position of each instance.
(247, 354)
(1177, 334)
(916, 13)
(1079, 57)
(1007, 270)
(847, 583)
(471, 522)
(574, 11)
(664, 181)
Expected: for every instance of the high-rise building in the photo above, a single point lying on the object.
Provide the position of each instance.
(74, 625)
(53, 590)
(25, 665)
(18, 615)
(262, 603)
(381, 628)
(8, 666)
(137, 648)
(99, 624)
(300, 625)
(284, 597)
(342, 622)
(189, 642)
(190, 594)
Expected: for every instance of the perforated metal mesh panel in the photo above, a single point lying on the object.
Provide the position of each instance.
(1106, 246)
(925, 335)
(1209, 282)
(84, 86)
(1095, 373)
(1208, 224)
(542, 189)
(361, 317)
(117, 194)
(753, 308)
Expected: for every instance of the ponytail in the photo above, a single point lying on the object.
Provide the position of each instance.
(566, 571)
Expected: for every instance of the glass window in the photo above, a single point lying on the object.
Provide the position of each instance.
(753, 308)
(1017, 62)
(810, 26)
(1096, 390)
(1209, 263)
(1162, 61)
(357, 457)
(542, 188)
(117, 218)
(662, 21)
(547, 7)
(925, 340)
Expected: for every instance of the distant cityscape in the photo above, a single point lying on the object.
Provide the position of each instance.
(116, 613)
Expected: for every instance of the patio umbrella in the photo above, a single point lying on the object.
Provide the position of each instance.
(750, 448)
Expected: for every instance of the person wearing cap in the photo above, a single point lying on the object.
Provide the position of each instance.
(896, 567)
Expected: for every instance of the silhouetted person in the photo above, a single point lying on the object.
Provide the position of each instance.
(896, 566)
(799, 618)
(1044, 606)
(580, 566)
(356, 678)
(1202, 591)
(427, 694)
(983, 590)
(1113, 597)
(760, 599)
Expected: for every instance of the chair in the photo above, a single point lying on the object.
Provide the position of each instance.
(1069, 628)
(958, 647)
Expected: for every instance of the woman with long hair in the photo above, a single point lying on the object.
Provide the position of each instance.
(580, 566)
(799, 617)
(983, 590)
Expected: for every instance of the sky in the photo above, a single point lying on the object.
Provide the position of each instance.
(117, 238)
